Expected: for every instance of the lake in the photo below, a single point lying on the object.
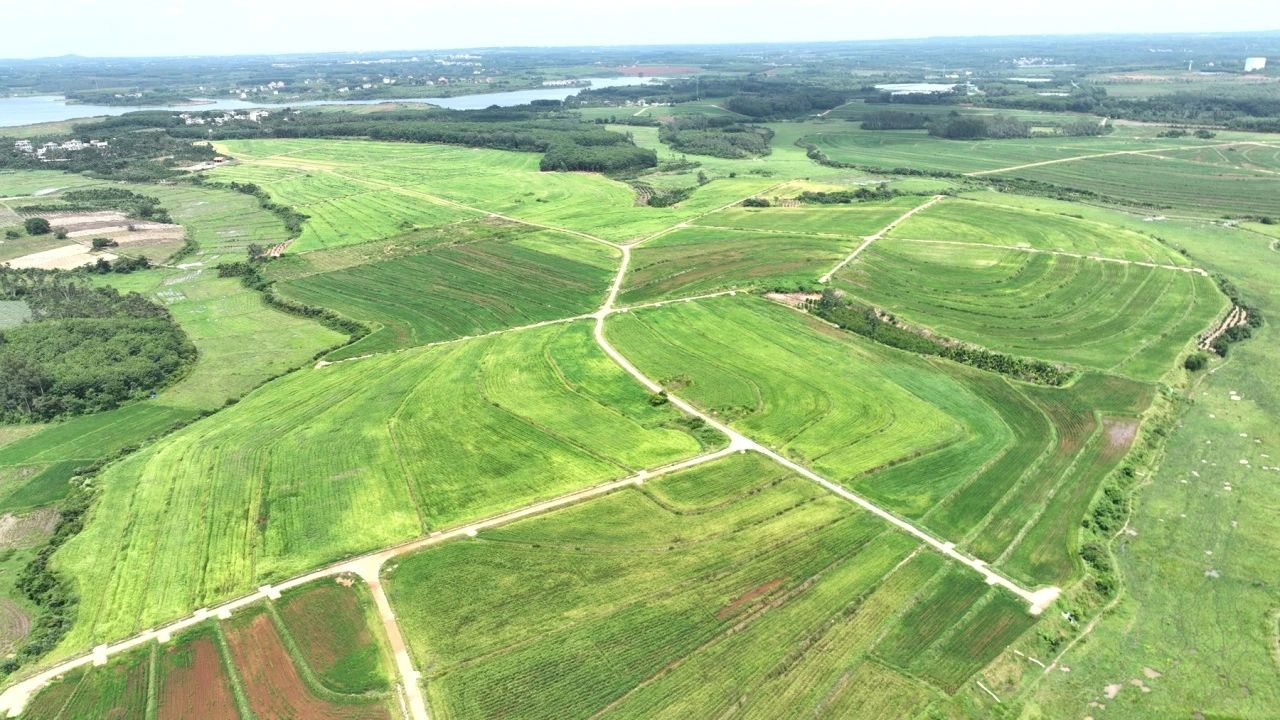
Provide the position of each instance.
(30, 109)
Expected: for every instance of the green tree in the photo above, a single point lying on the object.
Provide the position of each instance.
(37, 226)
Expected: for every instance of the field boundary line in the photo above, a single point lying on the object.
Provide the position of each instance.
(867, 240)
(1063, 253)
(368, 566)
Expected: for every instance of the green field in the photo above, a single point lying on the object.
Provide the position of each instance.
(729, 587)
(855, 220)
(1171, 181)
(978, 219)
(969, 454)
(241, 343)
(696, 260)
(1121, 318)
(418, 441)
(1194, 608)
(517, 277)
(422, 176)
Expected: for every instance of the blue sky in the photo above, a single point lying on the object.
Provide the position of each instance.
(225, 27)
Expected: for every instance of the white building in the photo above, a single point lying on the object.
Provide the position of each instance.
(1255, 63)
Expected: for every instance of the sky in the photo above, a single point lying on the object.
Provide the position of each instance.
(232, 27)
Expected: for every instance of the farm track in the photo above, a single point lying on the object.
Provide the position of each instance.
(866, 242)
(369, 565)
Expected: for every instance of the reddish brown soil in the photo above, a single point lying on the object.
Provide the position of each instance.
(327, 623)
(194, 684)
(275, 690)
(748, 596)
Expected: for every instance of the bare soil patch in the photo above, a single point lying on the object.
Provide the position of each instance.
(1120, 434)
(746, 598)
(26, 530)
(194, 684)
(275, 689)
(66, 257)
(14, 626)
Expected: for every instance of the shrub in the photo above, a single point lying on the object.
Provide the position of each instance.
(37, 226)
(1195, 362)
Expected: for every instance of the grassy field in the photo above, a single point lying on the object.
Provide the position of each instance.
(422, 176)
(845, 220)
(980, 218)
(969, 454)
(241, 343)
(989, 275)
(116, 690)
(696, 260)
(418, 440)
(515, 277)
(1175, 182)
(733, 587)
(1197, 609)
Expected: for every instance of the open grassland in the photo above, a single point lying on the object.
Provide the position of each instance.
(20, 183)
(1171, 182)
(331, 623)
(1197, 623)
(489, 180)
(733, 587)
(414, 441)
(696, 260)
(842, 405)
(1123, 318)
(462, 289)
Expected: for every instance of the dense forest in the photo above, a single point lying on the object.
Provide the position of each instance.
(84, 349)
(718, 137)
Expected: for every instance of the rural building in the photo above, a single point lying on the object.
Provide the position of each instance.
(1255, 63)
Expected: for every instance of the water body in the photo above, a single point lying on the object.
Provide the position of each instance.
(53, 108)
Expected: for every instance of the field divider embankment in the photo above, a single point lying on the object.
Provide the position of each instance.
(1012, 168)
(368, 566)
(1038, 599)
(866, 241)
(1063, 253)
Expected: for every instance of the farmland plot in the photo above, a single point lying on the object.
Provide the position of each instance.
(414, 441)
(488, 180)
(331, 623)
(698, 260)
(729, 587)
(983, 223)
(453, 290)
(1169, 182)
(844, 406)
(1124, 318)
(854, 220)
(117, 691)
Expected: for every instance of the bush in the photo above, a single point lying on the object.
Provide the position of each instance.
(101, 243)
(755, 202)
(37, 226)
(1195, 362)
(12, 234)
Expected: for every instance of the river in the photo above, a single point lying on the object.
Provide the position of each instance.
(25, 110)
